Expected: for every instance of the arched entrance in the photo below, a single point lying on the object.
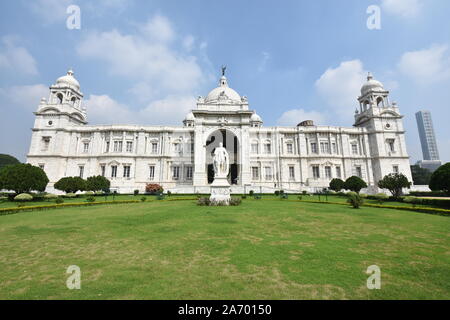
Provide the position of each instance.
(231, 143)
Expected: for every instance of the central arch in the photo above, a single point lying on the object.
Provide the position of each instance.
(231, 143)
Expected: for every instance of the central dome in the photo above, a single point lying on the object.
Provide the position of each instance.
(371, 85)
(223, 93)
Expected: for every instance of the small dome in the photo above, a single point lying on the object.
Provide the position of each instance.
(223, 93)
(190, 117)
(255, 118)
(69, 80)
(371, 85)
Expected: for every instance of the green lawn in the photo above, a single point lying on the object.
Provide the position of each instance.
(259, 250)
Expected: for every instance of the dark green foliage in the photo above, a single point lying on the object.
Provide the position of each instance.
(337, 185)
(136, 192)
(244, 196)
(381, 197)
(299, 197)
(23, 178)
(160, 197)
(59, 200)
(97, 183)
(284, 196)
(203, 201)
(355, 200)
(277, 192)
(257, 197)
(169, 193)
(6, 160)
(420, 176)
(394, 182)
(355, 184)
(235, 201)
(90, 199)
(251, 193)
(143, 199)
(71, 184)
(440, 179)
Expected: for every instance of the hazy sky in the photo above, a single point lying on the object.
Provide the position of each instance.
(146, 61)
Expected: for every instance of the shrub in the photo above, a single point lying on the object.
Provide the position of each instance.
(50, 196)
(299, 197)
(90, 199)
(413, 200)
(99, 193)
(160, 197)
(169, 193)
(394, 182)
(284, 197)
(89, 193)
(23, 197)
(277, 192)
(71, 184)
(355, 200)
(235, 201)
(355, 184)
(59, 200)
(23, 178)
(70, 195)
(381, 197)
(203, 201)
(304, 192)
(154, 189)
(136, 192)
(281, 192)
(97, 183)
(251, 193)
(143, 199)
(337, 185)
(440, 179)
(257, 197)
(3, 199)
(363, 195)
(244, 196)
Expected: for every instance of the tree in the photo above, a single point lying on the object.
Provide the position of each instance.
(420, 176)
(97, 183)
(23, 178)
(440, 179)
(355, 184)
(395, 182)
(71, 184)
(6, 159)
(337, 185)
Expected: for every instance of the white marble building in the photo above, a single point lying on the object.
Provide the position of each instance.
(305, 157)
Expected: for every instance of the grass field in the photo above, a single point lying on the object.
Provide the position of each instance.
(259, 250)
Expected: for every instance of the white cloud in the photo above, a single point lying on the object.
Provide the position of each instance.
(189, 42)
(26, 97)
(295, 116)
(14, 58)
(340, 87)
(158, 29)
(49, 11)
(102, 109)
(403, 8)
(426, 66)
(263, 64)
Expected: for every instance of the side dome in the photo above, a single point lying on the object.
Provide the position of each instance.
(190, 117)
(223, 93)
(371, 85)
(255, 118)
(68, 80)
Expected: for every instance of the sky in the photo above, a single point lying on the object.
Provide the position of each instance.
(146, 62)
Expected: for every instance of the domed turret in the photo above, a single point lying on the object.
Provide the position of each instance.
(223, 93)
(68, 80)
(189, 121)
(255, 120)
(371, 85)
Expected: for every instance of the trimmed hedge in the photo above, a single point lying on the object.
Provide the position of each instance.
(429, 194)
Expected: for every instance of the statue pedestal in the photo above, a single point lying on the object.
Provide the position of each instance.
(220, 190)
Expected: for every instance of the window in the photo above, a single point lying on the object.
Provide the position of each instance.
(291, 173)
(154, 147)
(176, 173)
(290, 148)
(255, 173)
(189, 173)
(107, 146)
(126, 171)
(86, 147)
(313, 147)
(391, 144)
(118, 146)
(328, 172)
(333, 145)
(316, 172)
(152, 172)
(324, 147)
(395, 169)
(129, 146)
(81, 171)
(358, 171)
(103, 170)
(45, 143)
(354, 148)
(338, 172)
(192, 148)
(60, 98)
(268, 173)
(255, 148)
(113, 171)
(177, 147)
(267, 148)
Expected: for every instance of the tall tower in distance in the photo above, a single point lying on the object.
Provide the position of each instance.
(430, 151)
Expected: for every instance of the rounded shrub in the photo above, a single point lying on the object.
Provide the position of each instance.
(143, 199)
(90, 199)
(59, 200)
(50, 196)
(70, 195)
(235, 201)
(251, 193)
(3, 199)
(355, 200)
(23, 197)
(136, 192)
(89, 193)
(381, 197)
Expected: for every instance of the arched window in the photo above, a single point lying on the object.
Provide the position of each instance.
(74, 100)
(380, 103)
(60, 97)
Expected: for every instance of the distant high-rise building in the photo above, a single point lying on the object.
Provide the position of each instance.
(428, 141)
